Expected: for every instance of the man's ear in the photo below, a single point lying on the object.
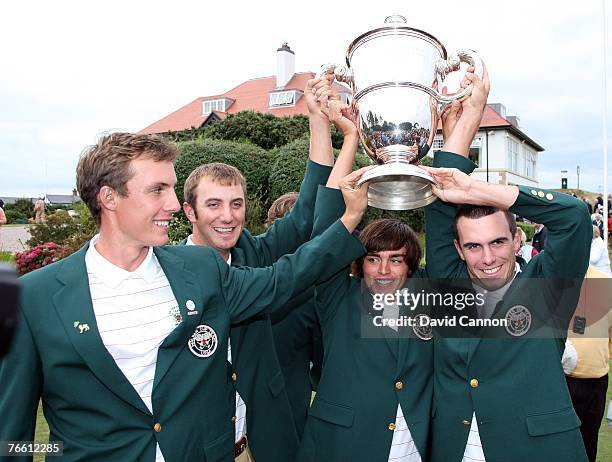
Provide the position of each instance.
(517, 240)
(189, 212)
(107, 198)
(459, 251)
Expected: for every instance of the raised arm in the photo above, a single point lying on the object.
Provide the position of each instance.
(251, 291)
(460, 122)
(566, 254)
(295, 228)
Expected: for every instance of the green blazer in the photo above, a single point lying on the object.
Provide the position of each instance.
(520, 398)
(271, 354)
(88, 402)
(367, 370)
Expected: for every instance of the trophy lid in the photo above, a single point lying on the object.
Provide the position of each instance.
(394, 25)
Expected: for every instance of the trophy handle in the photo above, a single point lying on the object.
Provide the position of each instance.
(445, 67)
(341, 73)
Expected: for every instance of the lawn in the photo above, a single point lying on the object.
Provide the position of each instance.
(6, 256)
(604, 452)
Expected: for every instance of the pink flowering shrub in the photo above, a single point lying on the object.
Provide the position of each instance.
(39, 256)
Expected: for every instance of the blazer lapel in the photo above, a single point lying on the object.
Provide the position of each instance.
(237, 332)
(188, 294)
(73, 305)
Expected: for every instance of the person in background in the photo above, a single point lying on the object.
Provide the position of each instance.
(526, 252)
(588, 350)
(39, 210)
(599, 257)
(538, 241)
(2, 214)
(598, 221)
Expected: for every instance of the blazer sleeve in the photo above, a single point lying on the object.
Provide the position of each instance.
(329, 293)
(328, 208)
(568, 242)
(291, 231)
(20, 387)
(441, 257)
(250, 291)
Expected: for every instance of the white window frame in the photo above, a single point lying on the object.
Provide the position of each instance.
(282, 98)
(513, 155)
(214, 105)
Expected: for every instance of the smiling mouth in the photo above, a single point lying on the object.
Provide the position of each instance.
(384, 282)
(224, 230)
(491, 271)
(162, 223)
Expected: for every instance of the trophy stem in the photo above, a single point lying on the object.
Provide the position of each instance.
(398, 186)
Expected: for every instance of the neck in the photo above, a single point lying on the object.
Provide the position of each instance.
(121, 254)
(196, 238)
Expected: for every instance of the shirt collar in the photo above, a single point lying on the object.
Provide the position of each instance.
(498, 293)
(190, 242)
(111, 275)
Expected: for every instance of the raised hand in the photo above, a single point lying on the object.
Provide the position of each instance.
(355, 197)
(451, 184)
(316, 89)
(341, 115)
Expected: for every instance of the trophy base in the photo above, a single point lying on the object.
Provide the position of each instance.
(398, 186)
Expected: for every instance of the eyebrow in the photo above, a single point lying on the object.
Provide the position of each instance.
(377, 254)
(217, 199)
(160, 184)
(503, 239)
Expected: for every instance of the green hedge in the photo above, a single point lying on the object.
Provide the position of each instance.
(251, 160)
(528, 228)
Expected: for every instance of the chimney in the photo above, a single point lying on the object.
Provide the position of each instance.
(514, 120)
(285, 65)
(499, 108)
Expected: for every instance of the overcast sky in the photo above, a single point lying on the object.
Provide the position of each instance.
(75, 70)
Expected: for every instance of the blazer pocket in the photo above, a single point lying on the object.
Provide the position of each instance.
(221, 449)
(552, 422)
(276, 384)
(332, 413)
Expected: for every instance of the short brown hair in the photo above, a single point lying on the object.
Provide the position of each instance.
(280, 207)
(390, 234)
(218, 172)
(474, 212)
(107, 163)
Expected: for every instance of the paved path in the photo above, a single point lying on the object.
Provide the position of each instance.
(13, 238)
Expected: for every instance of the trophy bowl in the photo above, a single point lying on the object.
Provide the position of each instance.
(394, 73)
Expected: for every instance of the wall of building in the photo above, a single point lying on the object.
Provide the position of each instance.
(499, 171)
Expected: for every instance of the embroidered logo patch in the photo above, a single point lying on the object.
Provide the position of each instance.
(203, 342)
(518, 320)
(422, 327)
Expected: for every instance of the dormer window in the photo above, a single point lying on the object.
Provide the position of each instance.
(283, 98)
(221, 105)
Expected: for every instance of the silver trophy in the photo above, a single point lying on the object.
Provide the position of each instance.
(395, 73)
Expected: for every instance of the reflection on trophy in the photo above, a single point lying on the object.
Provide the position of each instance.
(395, 72)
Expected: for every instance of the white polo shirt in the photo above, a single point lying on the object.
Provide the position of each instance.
(403, 447)
(240, 426)
(473, 449)
(135, 312)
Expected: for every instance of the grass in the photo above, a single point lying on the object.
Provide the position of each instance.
(604, 451)
(6, 256)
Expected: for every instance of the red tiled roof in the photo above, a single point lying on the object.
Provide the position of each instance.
(490, 118)
(252, 95)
